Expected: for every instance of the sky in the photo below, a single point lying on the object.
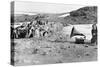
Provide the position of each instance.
(31, 7)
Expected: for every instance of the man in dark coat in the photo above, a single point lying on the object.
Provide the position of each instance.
(94, 34)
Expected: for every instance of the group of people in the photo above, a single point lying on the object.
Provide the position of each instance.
(35, 28)
(39, 28)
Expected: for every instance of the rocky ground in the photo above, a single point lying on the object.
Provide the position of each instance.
(35, 51)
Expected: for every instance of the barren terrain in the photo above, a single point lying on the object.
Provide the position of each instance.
(35, 51)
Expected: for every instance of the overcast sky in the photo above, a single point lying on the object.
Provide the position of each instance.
(21, 6)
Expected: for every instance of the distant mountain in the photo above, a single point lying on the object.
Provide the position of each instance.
(23, 18)
(84, 15)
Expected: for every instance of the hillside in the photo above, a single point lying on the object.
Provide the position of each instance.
(84, 15)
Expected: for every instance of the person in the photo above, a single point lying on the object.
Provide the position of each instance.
(37, 32)
(94, 34)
